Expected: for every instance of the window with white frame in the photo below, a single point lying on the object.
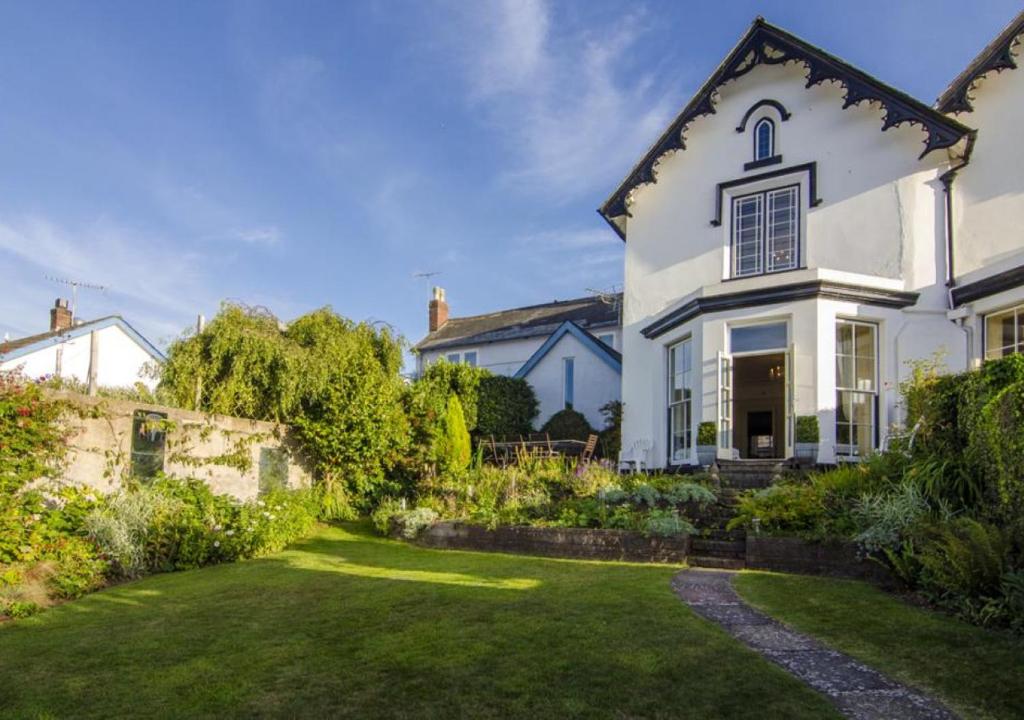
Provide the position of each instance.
(1004, 333)
(764, 139)
(680, 401)
(856, 388)
(766, 232)
(468, 358)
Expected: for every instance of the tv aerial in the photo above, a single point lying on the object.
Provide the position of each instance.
(74, 285)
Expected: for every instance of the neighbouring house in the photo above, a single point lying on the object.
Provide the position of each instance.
(106, 351)
(568, 350)
(799, 233)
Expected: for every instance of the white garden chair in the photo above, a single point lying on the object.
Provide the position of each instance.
(635, 459)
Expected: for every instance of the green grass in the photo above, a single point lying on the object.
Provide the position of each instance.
(349, 625)
(980, 672)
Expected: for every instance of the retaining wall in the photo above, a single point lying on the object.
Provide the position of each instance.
(575, 543)
(793, 555)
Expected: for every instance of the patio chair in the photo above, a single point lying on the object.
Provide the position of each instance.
(635, 459)
(588, 449)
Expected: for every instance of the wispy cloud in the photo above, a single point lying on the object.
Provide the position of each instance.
(567, 102)
(150, 280)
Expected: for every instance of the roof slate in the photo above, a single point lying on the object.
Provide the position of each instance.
(525, 322)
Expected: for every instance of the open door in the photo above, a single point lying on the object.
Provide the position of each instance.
(725, 398)
(790, 425)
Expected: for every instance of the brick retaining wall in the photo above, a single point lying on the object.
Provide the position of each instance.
(793, 555)
(576, 543)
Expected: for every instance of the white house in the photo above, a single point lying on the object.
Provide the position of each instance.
(567, 350)
(108, 349)
(799, 233)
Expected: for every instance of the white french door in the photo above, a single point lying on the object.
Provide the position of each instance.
(725, 398)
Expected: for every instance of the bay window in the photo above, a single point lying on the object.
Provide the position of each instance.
(1004, 333)
(680, 401)
(856, 388)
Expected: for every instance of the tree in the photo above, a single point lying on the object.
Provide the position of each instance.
(567, 424)
(454, 448)
(336, 382)
(460, 379)
(506, 406)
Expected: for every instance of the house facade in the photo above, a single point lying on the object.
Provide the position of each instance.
(108, 350)
(798, 235)
(567, 350)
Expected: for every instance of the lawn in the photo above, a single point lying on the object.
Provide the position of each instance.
(979, 672)
(349, 625)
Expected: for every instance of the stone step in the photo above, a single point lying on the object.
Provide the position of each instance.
(714, 562)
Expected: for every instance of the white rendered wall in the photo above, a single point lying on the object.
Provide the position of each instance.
(595, 383)
(988, 194)
(501, 358)
(120, 360)
(880, 224)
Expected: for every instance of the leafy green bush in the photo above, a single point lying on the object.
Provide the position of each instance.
(706, 434)
(884, 518)
(32, 433)
(567, 424)
(807, 428)
(506, 407)
(454, 446)
(665, 523)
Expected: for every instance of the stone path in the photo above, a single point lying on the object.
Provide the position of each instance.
(858, 691)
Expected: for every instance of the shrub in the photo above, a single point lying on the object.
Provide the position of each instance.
(963, 559)
(689, 492)
(32, 433)
(454, 446)
(121, 527)
(706, 434)
(381, 516)
(807, 428)
(462, 380)
(567, 424)
(412, 522)
(506, 406)
(666, 523)
(885, 517)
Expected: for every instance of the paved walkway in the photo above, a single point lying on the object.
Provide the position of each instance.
(858, 691)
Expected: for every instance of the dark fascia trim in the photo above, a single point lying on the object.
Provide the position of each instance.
(996, 57)
(764, 162)
(783, 113)
(770, 45)
(810, 168)
(1006, 280)
(777, 294)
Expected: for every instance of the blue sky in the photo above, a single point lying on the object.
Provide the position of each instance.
(295, 155)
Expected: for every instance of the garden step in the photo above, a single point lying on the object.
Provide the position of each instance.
(715, 562)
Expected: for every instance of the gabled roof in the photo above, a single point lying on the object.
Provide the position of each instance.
(607, 355)
(767, 44)
(23, 346)
(997, 56)
(524, 322)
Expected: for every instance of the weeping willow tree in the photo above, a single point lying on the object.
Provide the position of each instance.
(334, 381)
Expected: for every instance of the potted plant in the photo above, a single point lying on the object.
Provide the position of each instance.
(807, 438)
(706, 445)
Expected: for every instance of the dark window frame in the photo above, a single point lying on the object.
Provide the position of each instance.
(764, 240)
(771, 140)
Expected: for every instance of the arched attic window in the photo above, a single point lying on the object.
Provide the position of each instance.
(764, 139)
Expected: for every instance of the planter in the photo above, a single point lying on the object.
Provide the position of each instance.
(706, 454)
(807, 452)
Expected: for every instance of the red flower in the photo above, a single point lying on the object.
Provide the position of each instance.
(24, 411)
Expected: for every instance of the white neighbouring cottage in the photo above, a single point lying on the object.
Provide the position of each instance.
(799, 233)
(567, 349)
(107, 349)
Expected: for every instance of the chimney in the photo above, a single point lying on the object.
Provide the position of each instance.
(60, 316)
(438, 310)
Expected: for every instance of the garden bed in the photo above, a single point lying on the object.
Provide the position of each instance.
(575, 543)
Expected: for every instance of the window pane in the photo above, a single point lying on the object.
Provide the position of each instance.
(470, 358)
(568, 381)
(764, 140)
(749, 338)
(865, 374)
(842, 407)
(148, 439)
(273, 473)
(782, 229)
(452, 357)
(1003, 333)
(844, 371)
(864, 340)
(747, 235)
(844, 338)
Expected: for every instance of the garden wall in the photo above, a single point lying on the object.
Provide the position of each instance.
(575, 543)
(793, 555)
(113, 439)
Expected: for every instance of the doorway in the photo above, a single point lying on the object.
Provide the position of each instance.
(759, 405)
